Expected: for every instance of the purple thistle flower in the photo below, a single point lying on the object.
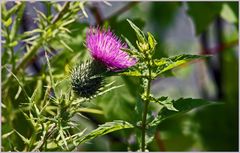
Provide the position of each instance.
(105, 47)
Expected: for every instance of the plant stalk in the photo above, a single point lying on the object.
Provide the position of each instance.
(145, 107)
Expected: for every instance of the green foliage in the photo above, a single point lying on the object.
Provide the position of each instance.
(47, 111)
(51, 28)
(40, 112)
(148, 69)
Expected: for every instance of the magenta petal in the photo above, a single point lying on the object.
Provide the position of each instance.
(105, 47)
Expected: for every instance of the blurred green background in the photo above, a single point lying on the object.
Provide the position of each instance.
(208, 28)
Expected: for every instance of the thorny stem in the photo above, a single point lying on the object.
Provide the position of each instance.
(145, 107)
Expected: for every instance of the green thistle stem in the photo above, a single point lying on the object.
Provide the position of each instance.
(145, 107)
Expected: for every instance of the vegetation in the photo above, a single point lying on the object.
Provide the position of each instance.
(64, 90)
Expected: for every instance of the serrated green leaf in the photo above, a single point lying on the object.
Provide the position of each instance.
(139, 33)
(159, 66)
(182, 105)
(106, 128)
(165, 64)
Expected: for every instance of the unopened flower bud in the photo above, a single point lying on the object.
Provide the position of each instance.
(87, 78)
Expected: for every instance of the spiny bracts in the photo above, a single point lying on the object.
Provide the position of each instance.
(87, 78)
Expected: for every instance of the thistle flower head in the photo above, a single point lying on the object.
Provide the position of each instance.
(87, 78)
(105, 47)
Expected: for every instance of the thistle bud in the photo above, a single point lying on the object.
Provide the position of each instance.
(143, 47)
(87, 78)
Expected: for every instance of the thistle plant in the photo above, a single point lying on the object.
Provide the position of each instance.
(58, 97)
(45, 111)
(111, 57)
